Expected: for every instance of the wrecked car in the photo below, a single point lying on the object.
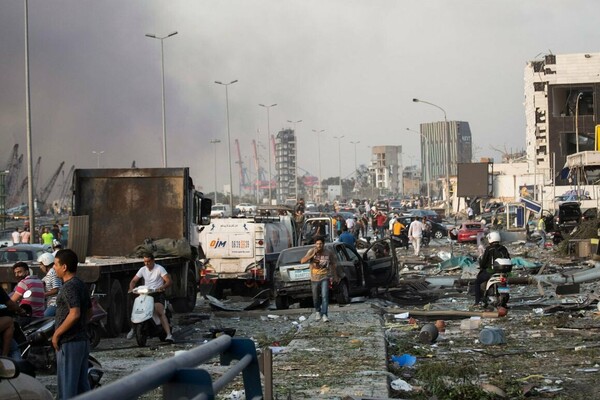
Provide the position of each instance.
(358, 275)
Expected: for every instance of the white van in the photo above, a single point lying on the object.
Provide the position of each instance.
(220, 211)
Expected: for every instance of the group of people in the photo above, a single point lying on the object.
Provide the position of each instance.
(58, 233)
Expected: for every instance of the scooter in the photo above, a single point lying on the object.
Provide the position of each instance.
(97, 324)
(146, 323)
(497, 292)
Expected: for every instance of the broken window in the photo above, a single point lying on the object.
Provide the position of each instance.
(565, 100)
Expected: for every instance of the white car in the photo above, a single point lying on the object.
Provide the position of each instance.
(246, 208)
(220, 210)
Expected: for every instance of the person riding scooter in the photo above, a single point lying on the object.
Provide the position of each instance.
(156, 278)
(493, 251)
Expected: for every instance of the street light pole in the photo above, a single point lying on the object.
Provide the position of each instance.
(269, 147)
(98, 154)
(577, 123)
(162, 73)
(447, 131)
(30, 198)
(228, 141)
(426, 162)
(355, 164)
(295, 159)
(339, 138)
(319, 147)
(215, 141)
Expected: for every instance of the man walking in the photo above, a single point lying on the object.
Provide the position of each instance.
(322, 266)
(70, 340)
(415, 234)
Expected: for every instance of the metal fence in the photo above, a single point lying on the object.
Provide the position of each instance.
(180, 378)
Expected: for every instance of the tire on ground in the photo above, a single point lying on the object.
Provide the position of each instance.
(116, 310)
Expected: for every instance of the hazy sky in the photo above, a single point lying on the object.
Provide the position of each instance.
(348, 67)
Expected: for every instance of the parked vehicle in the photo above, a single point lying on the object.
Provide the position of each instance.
(22, 252)
(239, 254)
(567, 216)
(590, 213)
(96, 324)
(429, 214)
(146, 323)
(115, 212)
(395, 205)
(468, 232)
(246, 208)
(15, 385)
(382, 205)
(220, 211)
(358, 275)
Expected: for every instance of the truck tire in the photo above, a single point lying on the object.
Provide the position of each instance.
(116, 310)
(187, 303)
(282, 302)
(342, 294)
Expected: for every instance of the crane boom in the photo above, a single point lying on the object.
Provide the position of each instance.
(43, 195)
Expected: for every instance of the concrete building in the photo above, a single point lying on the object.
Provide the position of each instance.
(433, 150)
(285, 165)
(385, 169)
(560, 110)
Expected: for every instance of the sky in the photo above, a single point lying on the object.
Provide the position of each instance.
(348, 67)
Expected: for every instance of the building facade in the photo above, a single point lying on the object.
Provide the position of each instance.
(286, 165)
(385, 169)
(560, 110)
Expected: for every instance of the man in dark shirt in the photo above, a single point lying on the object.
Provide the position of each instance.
(73, 311)
(347, 237)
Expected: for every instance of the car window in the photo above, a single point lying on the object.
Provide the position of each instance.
(352, 256)
(340, 253)
(473, 226)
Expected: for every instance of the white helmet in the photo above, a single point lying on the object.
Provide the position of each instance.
(494, 236)
(46, 259)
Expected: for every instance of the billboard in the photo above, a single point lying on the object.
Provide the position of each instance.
(475, 180)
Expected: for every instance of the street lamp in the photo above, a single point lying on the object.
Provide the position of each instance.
(355, 165)
(162, 72)
(339, 138)
(295, 159)
(269, 146)
(319, 147)
(98, 154)
(30, 188)
(426, 162)
(215, 141)
(447, 131)
(577, 122)
(228, 141)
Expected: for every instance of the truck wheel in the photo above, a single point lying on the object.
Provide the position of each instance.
(342, 294)
(282, 302)
(116, 309)
(140, 335)
(187, 303)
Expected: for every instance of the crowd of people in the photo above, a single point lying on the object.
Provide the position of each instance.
(47, 235)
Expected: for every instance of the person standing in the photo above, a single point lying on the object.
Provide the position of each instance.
(541, 230)
(415, 234)
(347, 237)
(16, 236)
(470, 213)
(52, 283)
(155, 277)
(25, 235)
(32, 283)
(47, 237)
(70, 340)
(322, 267)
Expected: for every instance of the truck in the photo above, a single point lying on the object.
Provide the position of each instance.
(117, 210)
(239, 254)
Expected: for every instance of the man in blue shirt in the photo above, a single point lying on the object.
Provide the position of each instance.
(347, 237)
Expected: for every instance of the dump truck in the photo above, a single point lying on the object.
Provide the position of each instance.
(115, 211)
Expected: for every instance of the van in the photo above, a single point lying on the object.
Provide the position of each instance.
(567, 216)
(220, 211)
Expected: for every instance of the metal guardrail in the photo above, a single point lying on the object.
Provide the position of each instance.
(180, 378)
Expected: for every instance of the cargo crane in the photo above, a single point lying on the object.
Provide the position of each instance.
(12, 181)
(260, 171)
(36, 175)
(244, 179)
(43, 195)
(65, 197)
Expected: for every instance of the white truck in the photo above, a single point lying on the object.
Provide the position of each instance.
(239, 254)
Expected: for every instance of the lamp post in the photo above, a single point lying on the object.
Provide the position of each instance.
(447, 131)
(319, 147)
(577, 122)
(228, 141)
(269, 147)
(426, 162)
(355, 164)
(295, 159)
(162, 73)
(98, 154)
(30, 188)
(215, 141)
(339, 138)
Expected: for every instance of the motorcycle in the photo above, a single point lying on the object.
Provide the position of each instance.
(497, 292)
(146, 323)
(97, 324)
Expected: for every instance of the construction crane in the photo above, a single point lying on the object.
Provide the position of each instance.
(244, 179)
(12, 180)
(43, 195)
(36, 175)
(65, 197)
(260, 171)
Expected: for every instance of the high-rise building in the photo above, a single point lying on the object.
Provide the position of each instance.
(385, 169)
(560, 110)
(285, 165)
(433, 141)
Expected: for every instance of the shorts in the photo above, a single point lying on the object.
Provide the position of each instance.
(159, 297)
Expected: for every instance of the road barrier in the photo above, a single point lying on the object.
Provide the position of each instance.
(180, 379)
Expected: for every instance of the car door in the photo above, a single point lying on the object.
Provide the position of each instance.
(357, 270)
(380, 264)
(344, 265)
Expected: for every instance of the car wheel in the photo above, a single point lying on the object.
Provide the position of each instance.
(282, 302)
(342, 295)
(438, 234)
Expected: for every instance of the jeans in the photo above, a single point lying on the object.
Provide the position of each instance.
(482, 277)
(50, 311)
(320, 295)
(71, 367)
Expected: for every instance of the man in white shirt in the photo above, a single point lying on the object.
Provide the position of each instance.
(415, 233)
(155, 277)
(16, 236)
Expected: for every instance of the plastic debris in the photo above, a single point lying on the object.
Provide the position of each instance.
(405, 360)
(400, 384)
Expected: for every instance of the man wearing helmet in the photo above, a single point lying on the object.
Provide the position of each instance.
(493, 251)
(52, 283)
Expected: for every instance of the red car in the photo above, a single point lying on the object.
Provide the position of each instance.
(468, 232)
